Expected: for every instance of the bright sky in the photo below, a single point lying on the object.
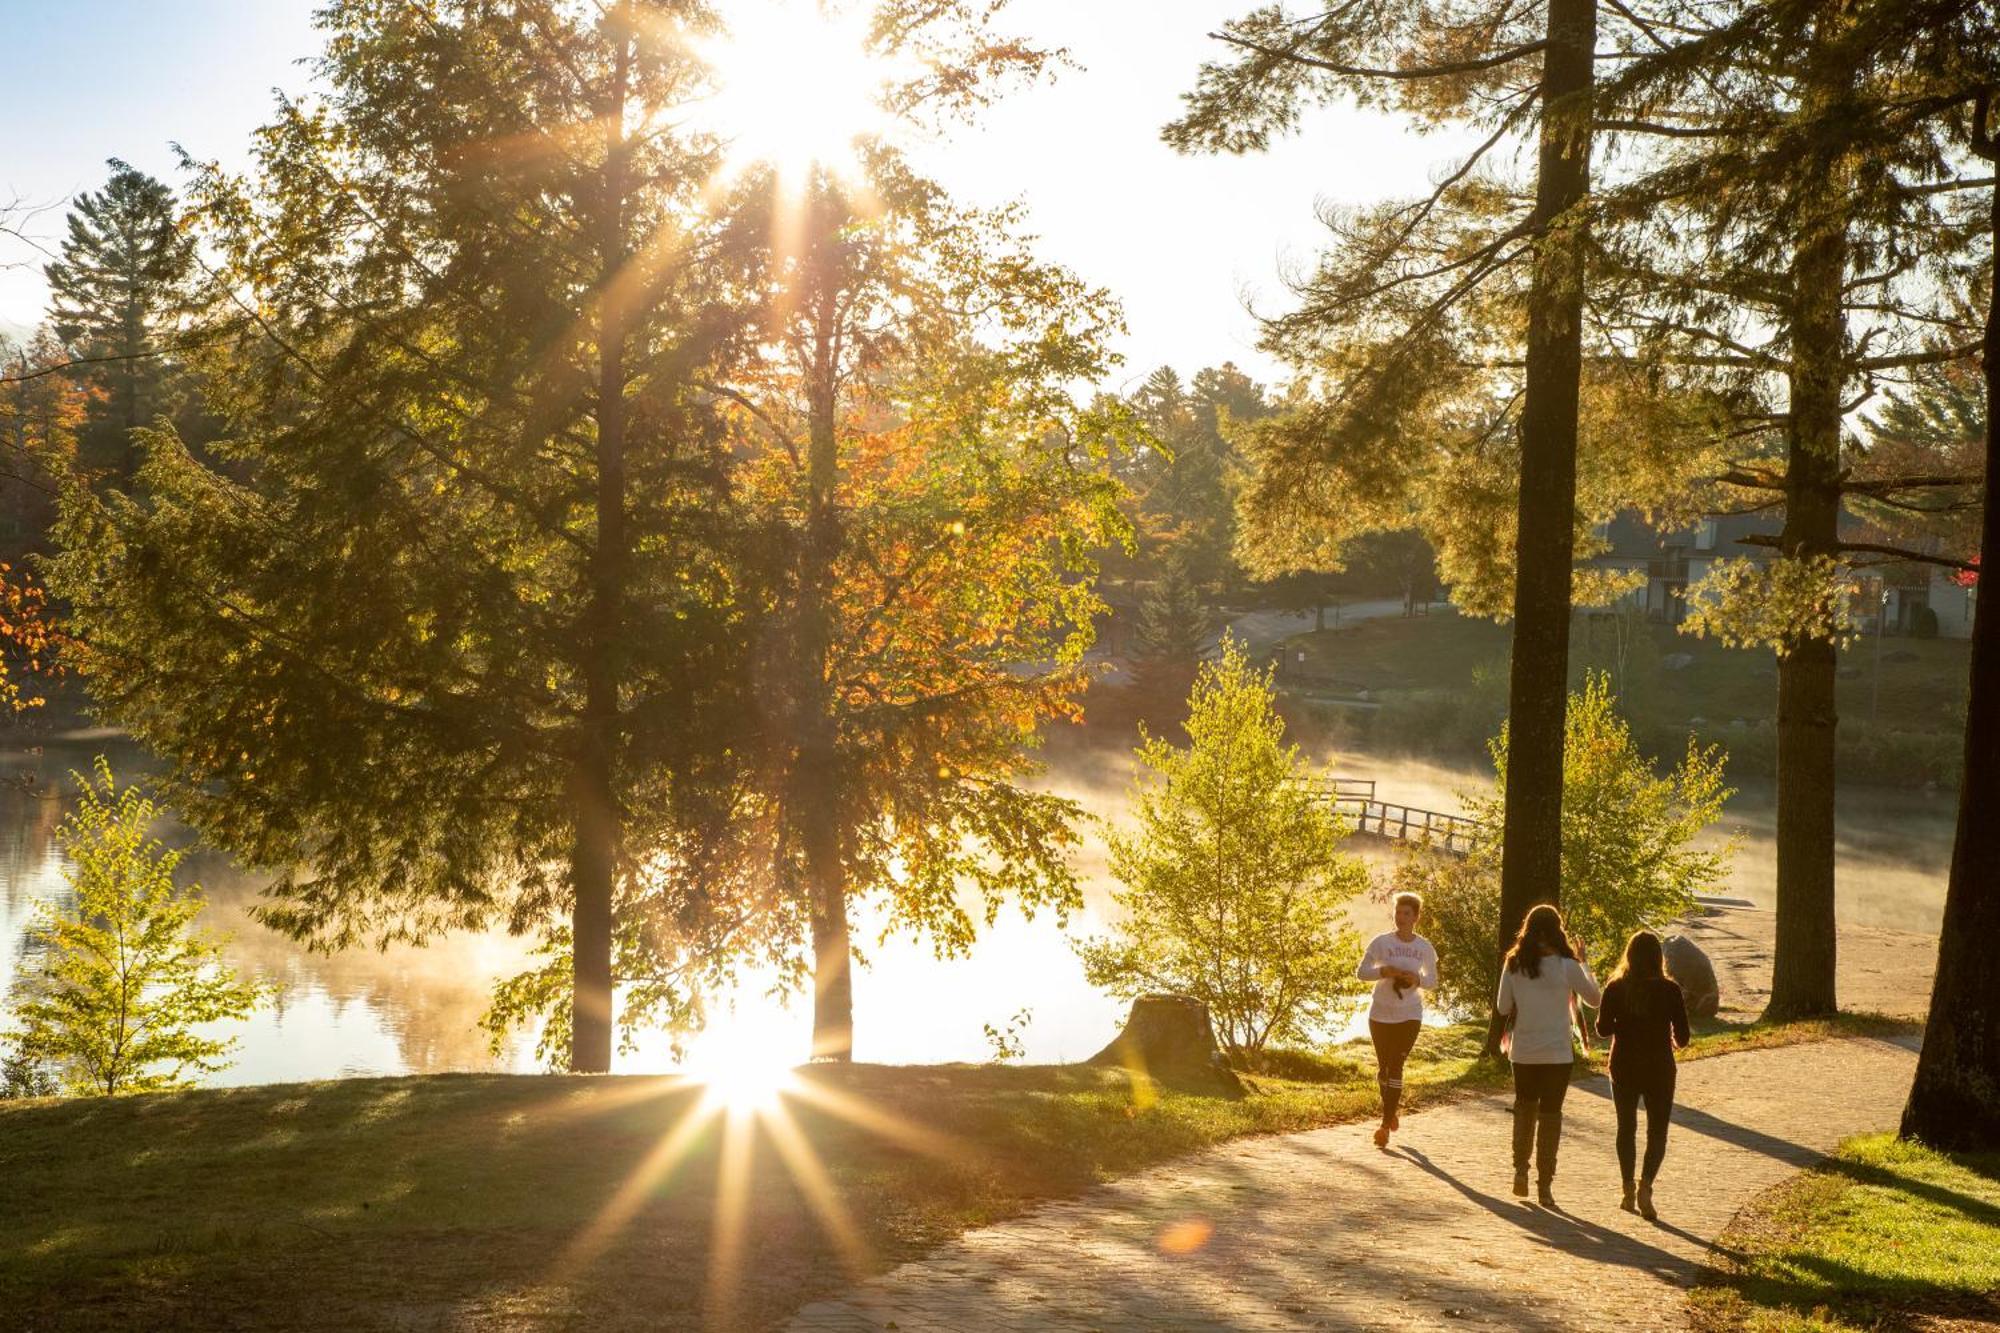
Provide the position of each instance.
(1182, 241)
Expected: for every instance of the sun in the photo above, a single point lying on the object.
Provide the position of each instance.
(797, 86)
(743, 1079)
(744, 1060)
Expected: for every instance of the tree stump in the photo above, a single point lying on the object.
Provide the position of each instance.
(1687, 964)
(1170, 1039)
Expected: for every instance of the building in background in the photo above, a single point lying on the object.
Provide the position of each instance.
(1905, 595)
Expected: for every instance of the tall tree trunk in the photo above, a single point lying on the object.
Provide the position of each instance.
(594, 855)
(126, 458)
(1545, 538)
(833, 975)
(1955, 1100)
(818, 788)
(1802, 974)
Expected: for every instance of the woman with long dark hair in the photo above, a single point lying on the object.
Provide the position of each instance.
(1646, 1017)
(1540, 981)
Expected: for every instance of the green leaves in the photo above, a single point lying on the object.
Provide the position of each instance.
(1233, 883)
(1778, 605)
(122, 976)
(1629, 854)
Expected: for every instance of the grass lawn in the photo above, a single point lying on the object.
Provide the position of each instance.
(470, 1201)
(1923, 681)
(1441, 683)
(1439, 651)
(1886, 1235)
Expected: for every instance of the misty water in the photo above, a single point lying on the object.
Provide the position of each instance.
(416, 1010)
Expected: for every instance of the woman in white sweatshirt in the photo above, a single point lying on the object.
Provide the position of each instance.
(1403, 965)
(1539, 981)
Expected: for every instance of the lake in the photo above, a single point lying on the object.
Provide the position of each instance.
(410, 1010)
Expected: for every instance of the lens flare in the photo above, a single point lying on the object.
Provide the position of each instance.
(797, 86)
(744, 1079)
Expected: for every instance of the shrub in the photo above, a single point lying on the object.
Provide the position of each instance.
(1233, 882)
(122, 978)
(1628, 854)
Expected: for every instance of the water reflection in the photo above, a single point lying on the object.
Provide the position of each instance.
(410, 1010)
(403, 1010)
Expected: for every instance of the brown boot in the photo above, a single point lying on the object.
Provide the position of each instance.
(1524, 1145)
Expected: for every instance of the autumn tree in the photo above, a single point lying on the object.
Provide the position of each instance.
(439, 641)
(936, 497)
(41, 409)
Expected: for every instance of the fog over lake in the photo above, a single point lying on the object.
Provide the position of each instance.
(416, 1010)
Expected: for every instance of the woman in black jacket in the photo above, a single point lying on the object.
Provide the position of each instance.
(1645, 1016)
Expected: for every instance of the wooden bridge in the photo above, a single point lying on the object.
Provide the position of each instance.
(1447, 832)
(1355, 798)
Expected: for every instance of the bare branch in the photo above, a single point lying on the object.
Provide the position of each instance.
(1368, 72)
(1885, 485)
(1982, 136)
(1752, 479)
(1906, 359)
(1871, 548)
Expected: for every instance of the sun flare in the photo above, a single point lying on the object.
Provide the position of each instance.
(797, 86)
(743, 1078)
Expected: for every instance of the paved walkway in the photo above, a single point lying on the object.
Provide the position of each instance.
(1323, 1231)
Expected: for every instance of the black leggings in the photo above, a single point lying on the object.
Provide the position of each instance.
(1392, 1047)
(1658, 1094)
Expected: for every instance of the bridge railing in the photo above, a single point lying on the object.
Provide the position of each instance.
(1343, 789)
(1355, 798)
(1408, 823)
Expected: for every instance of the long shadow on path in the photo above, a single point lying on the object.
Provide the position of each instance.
(1697, 1121)
(1567, 1232)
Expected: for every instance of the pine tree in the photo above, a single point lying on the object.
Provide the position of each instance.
(1935, 430)
(1955, 1097)
(1173, 629)
(1788, 228)
(1412, 309)
(118, 297)
(443, 645)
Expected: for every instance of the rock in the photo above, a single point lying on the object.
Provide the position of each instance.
(1687, 964)
(1170, 1038)
(1677, 661)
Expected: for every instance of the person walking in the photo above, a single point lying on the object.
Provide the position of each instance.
(1645, 1015)
(1541, 980)
(1403, 965)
